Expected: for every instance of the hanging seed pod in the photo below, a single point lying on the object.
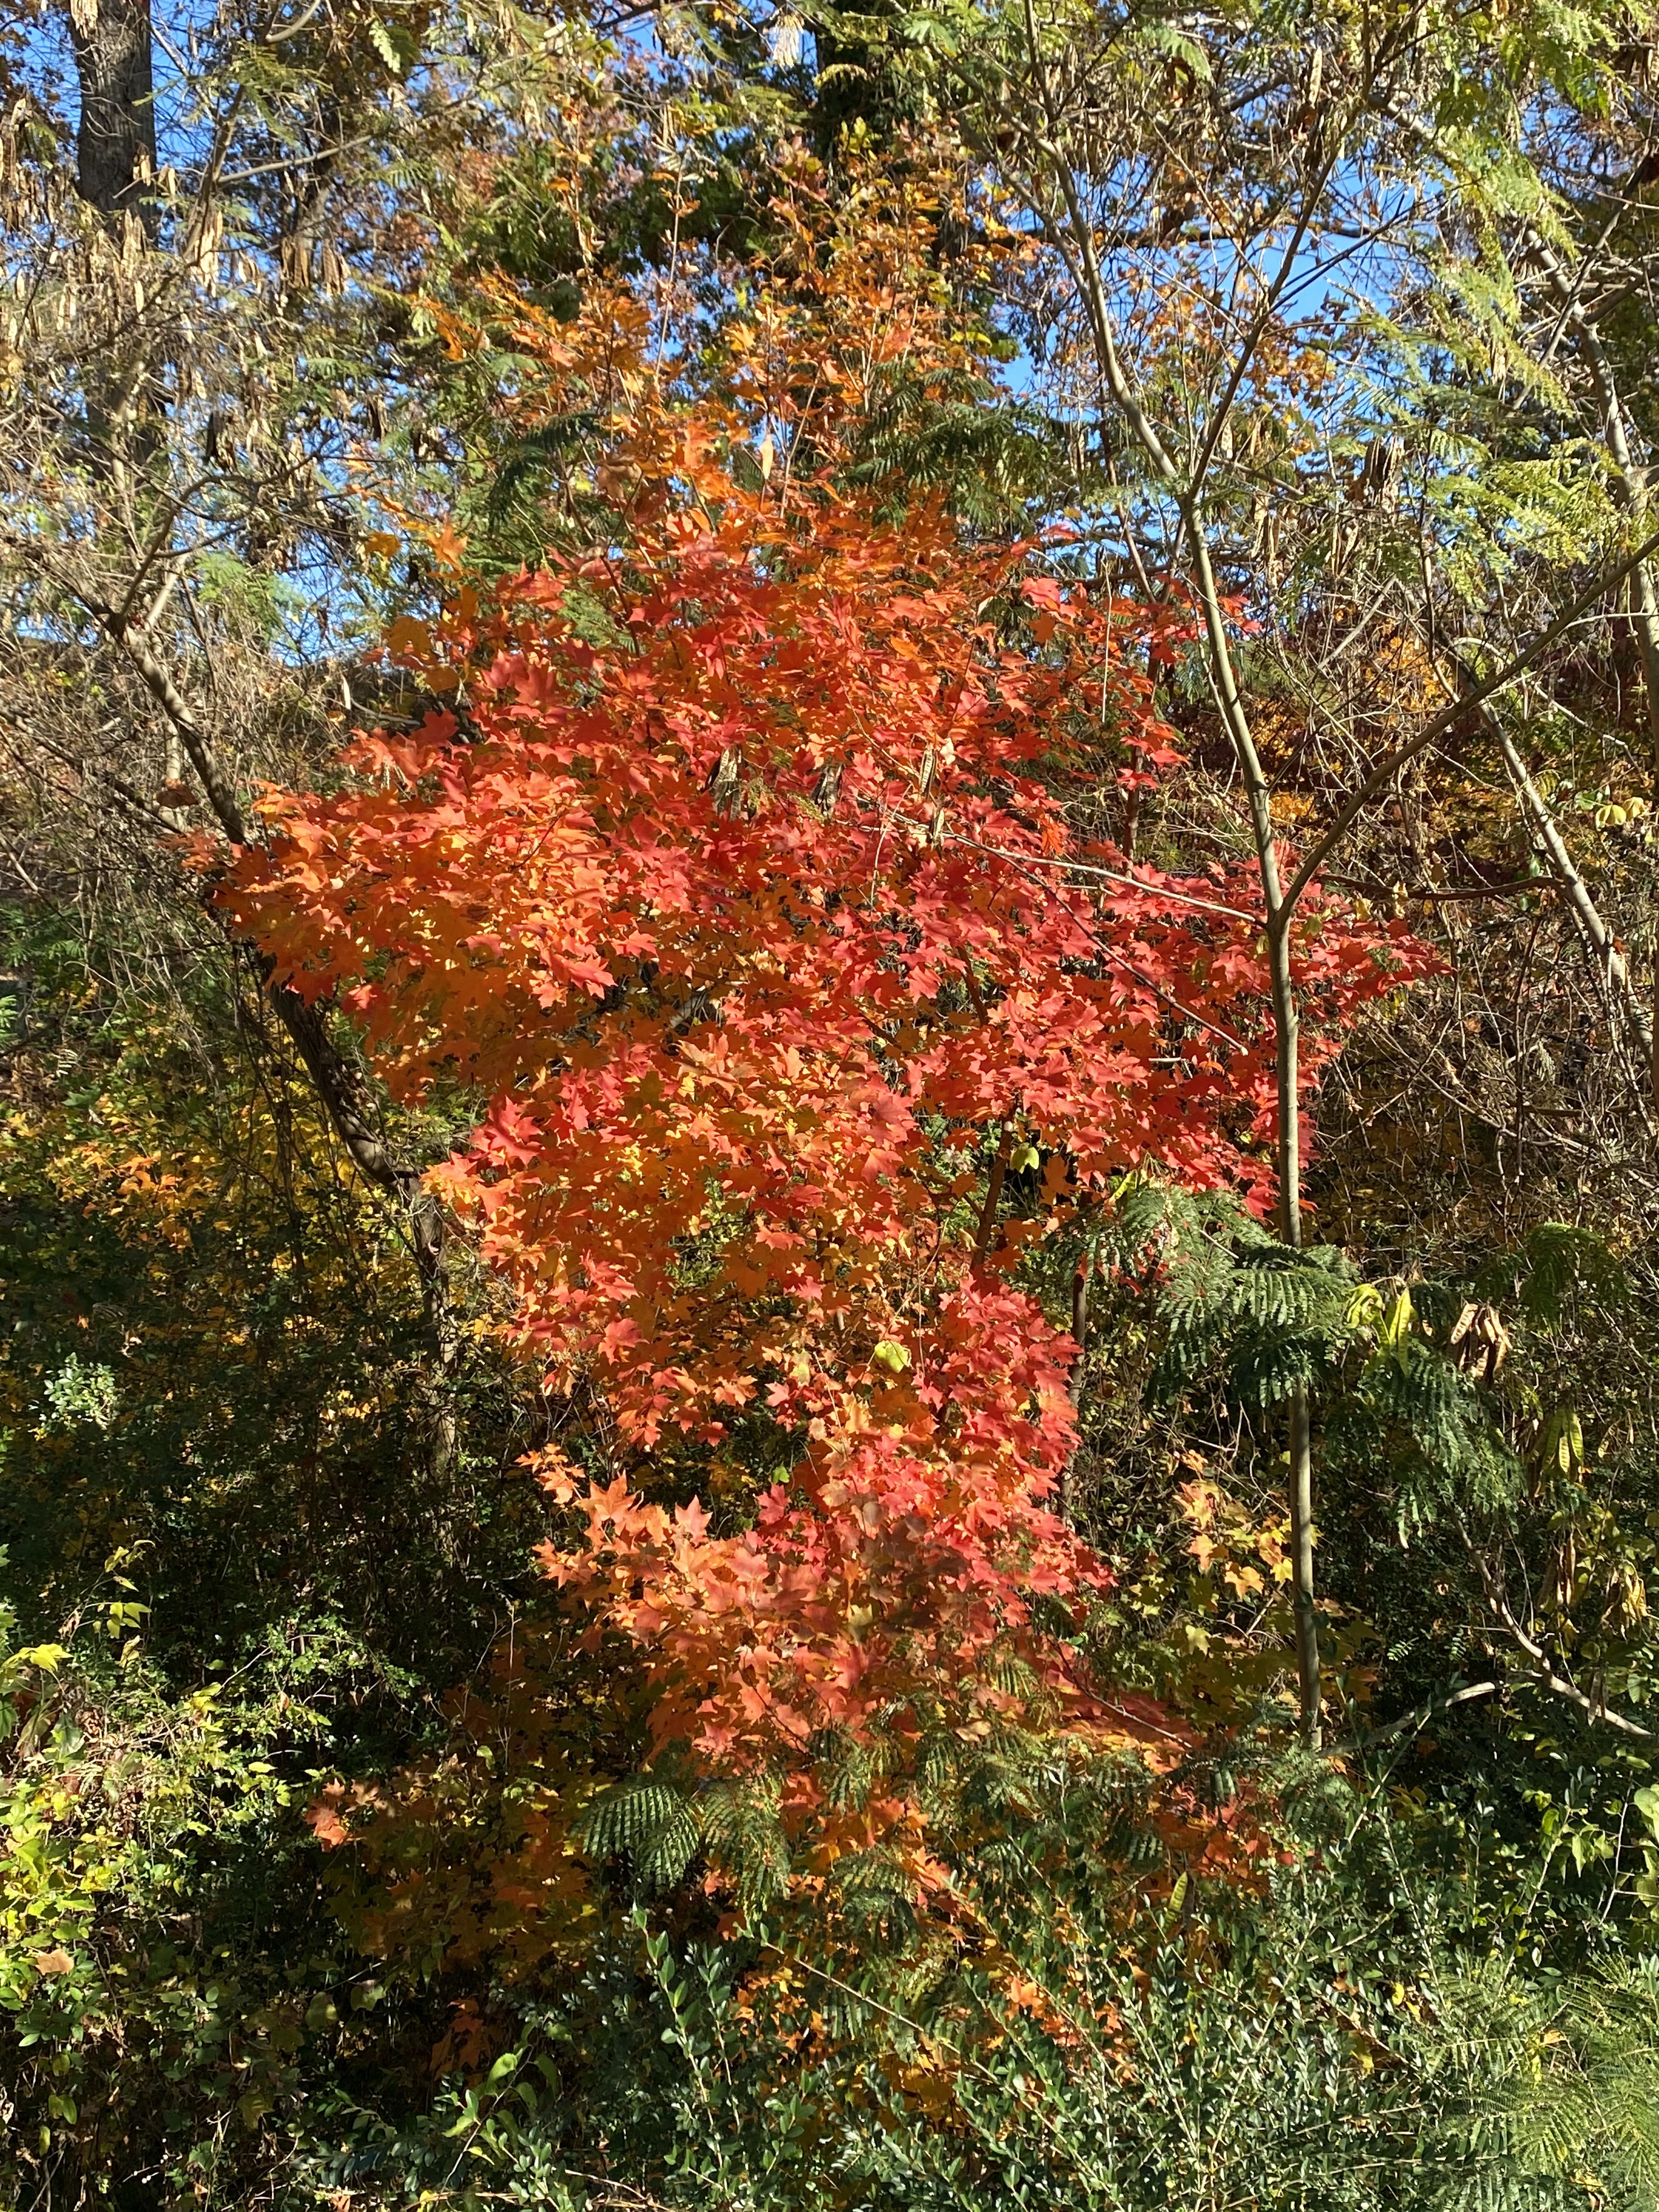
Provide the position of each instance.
(203, 256)
(726, 783)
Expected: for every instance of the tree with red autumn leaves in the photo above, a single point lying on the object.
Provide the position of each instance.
(709, 1499)
(761, 905)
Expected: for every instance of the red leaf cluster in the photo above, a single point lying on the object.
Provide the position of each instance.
(755, 901)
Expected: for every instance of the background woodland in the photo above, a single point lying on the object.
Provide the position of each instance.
(830, 1068)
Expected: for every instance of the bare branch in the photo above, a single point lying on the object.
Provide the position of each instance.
(1403, 753)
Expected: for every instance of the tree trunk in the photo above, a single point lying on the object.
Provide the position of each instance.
(1184, 487)
(115, 144)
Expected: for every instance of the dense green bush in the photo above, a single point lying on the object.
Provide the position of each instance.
(1334, 2042)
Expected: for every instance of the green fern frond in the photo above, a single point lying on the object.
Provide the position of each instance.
(627, 1818)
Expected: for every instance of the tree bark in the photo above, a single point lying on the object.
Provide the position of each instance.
(1081, 1283)
(115, 143)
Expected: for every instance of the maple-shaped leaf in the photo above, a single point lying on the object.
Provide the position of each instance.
(759, 914)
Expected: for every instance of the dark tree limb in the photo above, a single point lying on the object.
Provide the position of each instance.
(115, 140)
(338, 1084)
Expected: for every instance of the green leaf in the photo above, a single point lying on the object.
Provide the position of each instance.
(383, 45)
